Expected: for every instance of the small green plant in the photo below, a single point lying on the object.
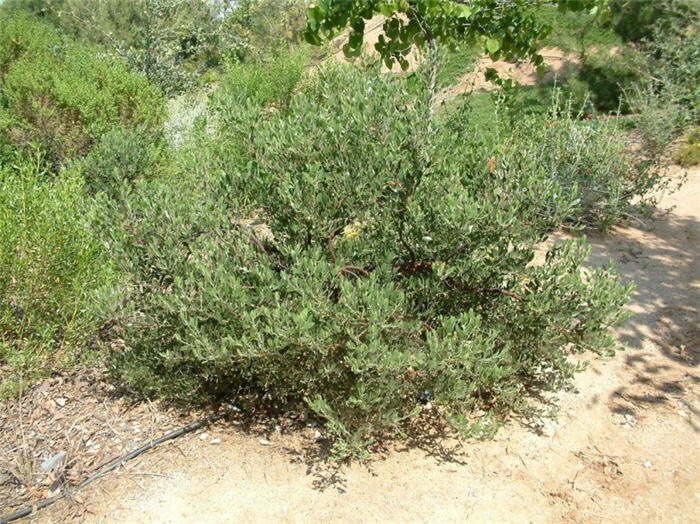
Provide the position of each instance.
(49, 265)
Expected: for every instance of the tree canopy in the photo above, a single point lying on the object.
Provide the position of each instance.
(507, 28)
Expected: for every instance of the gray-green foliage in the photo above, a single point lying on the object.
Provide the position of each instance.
(667, 100)
(347, 254)
(590, 160)
(122, 155)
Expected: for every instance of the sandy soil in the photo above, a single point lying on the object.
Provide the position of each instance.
(624, 448)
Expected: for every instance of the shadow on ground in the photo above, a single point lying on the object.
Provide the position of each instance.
(662, 257)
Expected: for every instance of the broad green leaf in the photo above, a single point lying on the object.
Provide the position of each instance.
(492, 46)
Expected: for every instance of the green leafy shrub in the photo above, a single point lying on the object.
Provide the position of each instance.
(667, 101)
(261, 83)
(256, 29)
(347, 255)
(675, 63)
(63, 96)
(122, 155)
(49, 264)
(170, 41)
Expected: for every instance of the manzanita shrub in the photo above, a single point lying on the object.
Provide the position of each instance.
(349, 254)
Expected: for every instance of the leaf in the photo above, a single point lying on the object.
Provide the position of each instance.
(387, 8)
(314, 16)
(492, 46)
(312, 38)
(463, 11)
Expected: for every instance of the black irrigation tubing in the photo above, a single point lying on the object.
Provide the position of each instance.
(112, 465)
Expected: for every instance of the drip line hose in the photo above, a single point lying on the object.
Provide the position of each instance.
(109, 466)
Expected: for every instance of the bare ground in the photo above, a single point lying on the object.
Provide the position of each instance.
(624, 448)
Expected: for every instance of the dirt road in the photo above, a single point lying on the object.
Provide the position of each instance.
(625, 448)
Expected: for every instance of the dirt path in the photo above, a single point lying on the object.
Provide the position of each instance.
(625, 447)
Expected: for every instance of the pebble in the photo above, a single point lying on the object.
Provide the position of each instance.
(215, 441)
(53, 461)
(318, 436)
(204, 436)
(648, 464)
(61, 401)
(264, 442)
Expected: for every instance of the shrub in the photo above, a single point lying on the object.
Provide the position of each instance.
(262, 83)
(590, 160)
(347, 255)
(667, 101)
(169, 41)
(122, 155)
(49, 265)
(63, 96)
(675, 62)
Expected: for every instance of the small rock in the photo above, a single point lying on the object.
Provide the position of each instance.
(61, 402)
(264, 442)
(648, 464)
(630, 420)
(427, 406)
(53, 461)
(682, 413)
(318, 436)
(215, 441)
(204, 436)
(278, 428)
